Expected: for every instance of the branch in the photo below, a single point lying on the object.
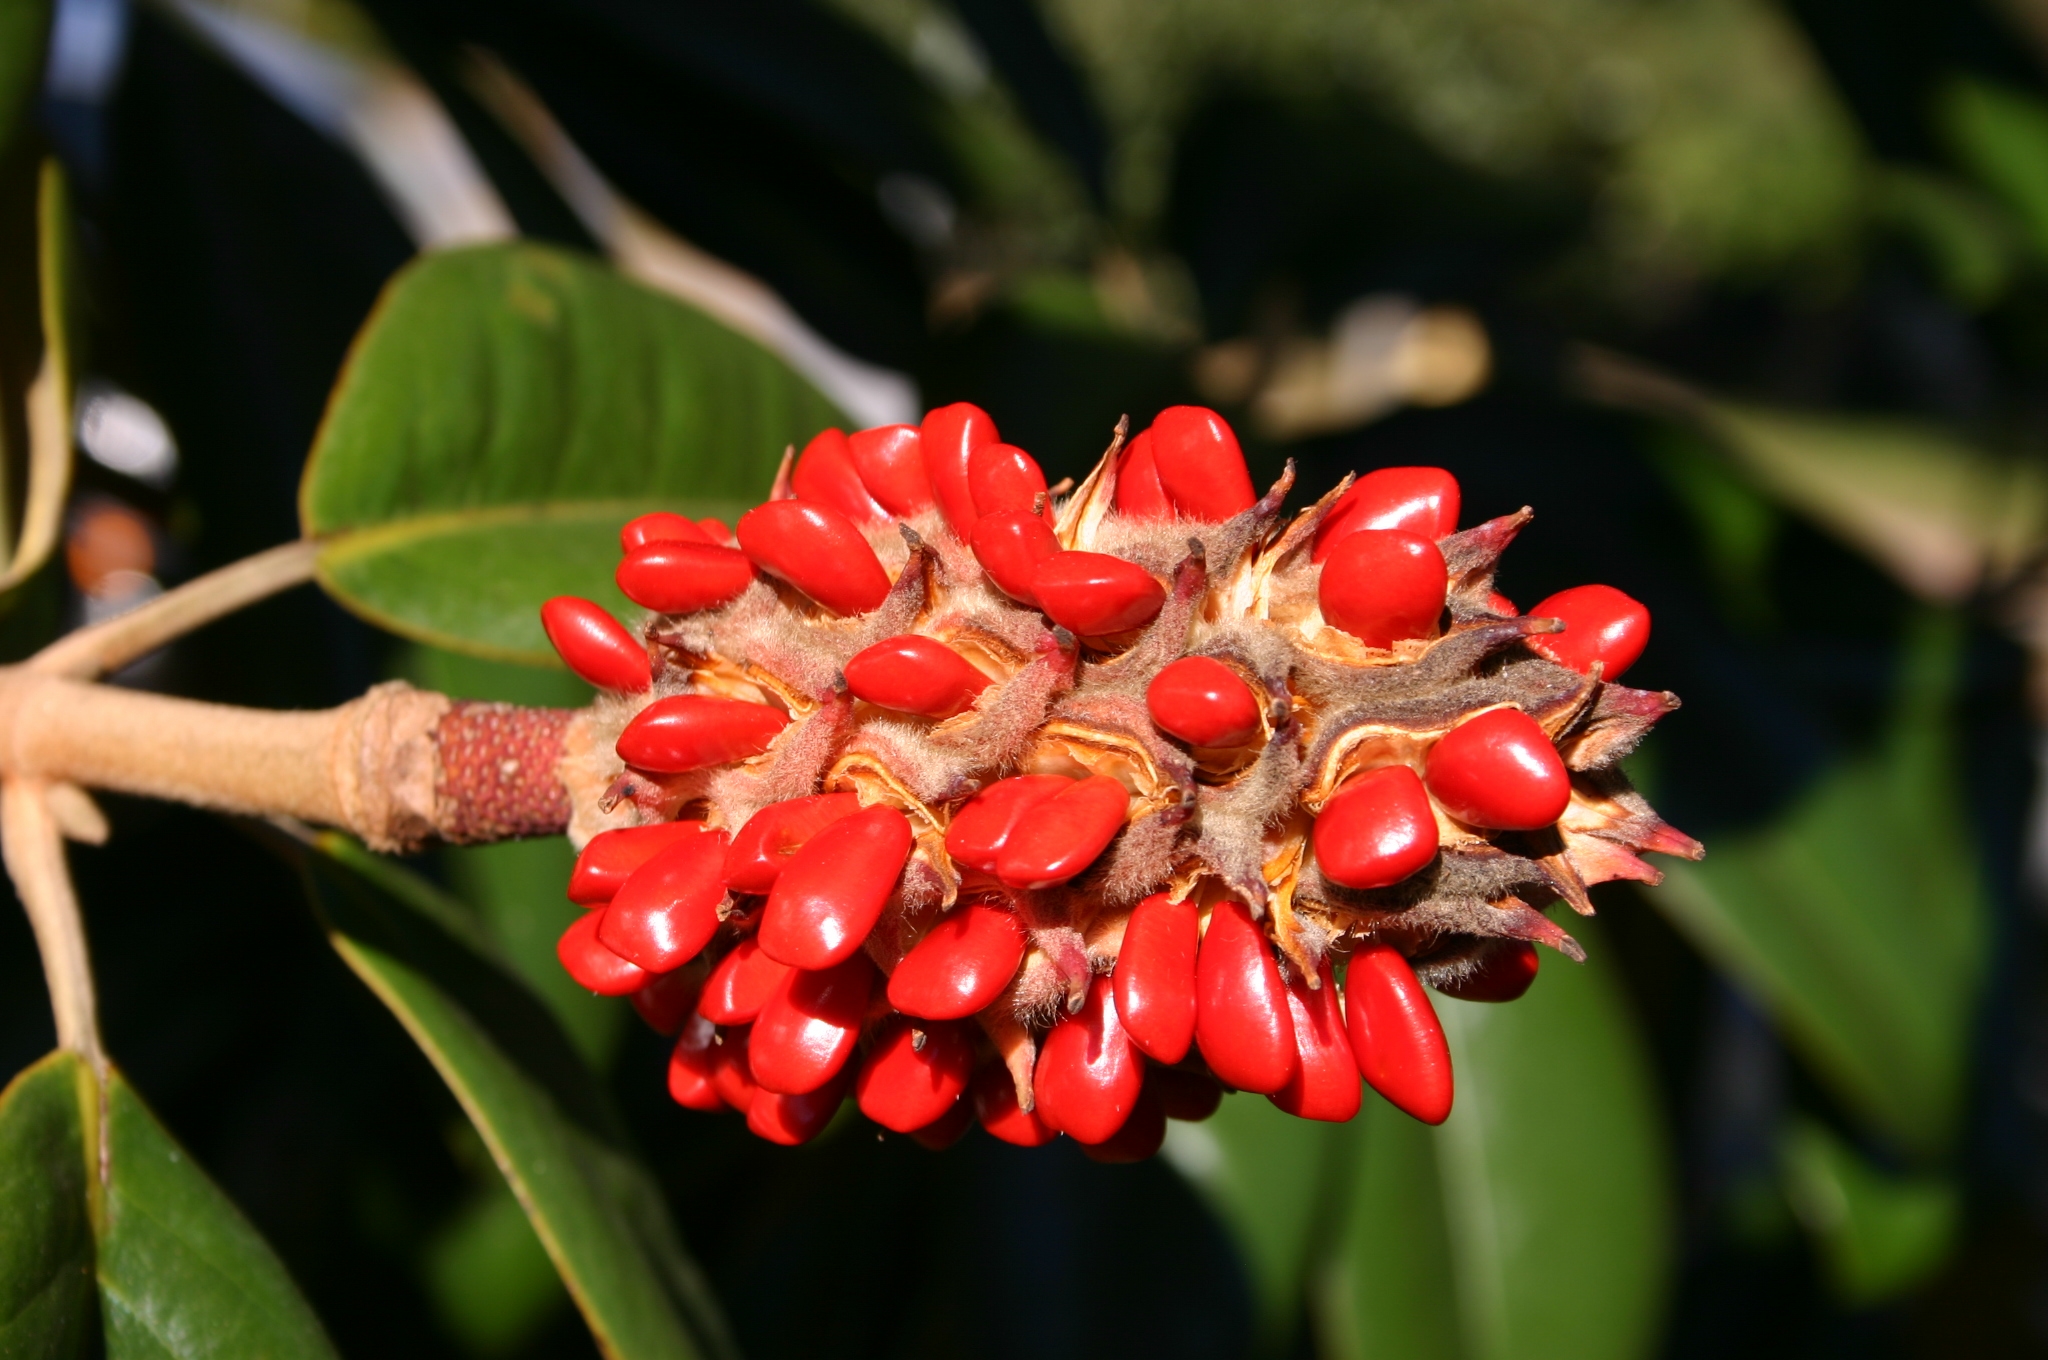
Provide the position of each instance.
(34, 852)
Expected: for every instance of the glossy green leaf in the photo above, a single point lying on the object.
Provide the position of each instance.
(503, 411)
(1879, 1234)
(109, 1198)
(1856, 918)
(540, 1112)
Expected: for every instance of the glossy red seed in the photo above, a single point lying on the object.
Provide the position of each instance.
(1325, 1081)
(913, 674)
(825, 475)
(890, 462)
(1094, 593)
(612, 856)
(982, 827)
(595, 967)
(1010, 544)
(740, 985)
(765, 845)
(817, 550)
(1395, 1036)
(595, 645)
(693, 1067)
(807, 1028)
(1064, 834)
(1499, 771)
(832, 892)
(1379, 829)
(1139, 1138)
(667, 1000)
(948, 439)
(961, 965)
(1600, 625)
(662, 526)
(1138, 493)
(793, 1120)
(995, 1105)
(1504, 973)
(948, 1129)
(680, 578)
(1242, 1024)
(1004, 477)
(730, 1071)
(717, 531)
(690, 731)
(668, 910)
(1203, 702)
(1502, 605)
(914, 1073)
(1201, 468)
(1089, 1072)
(1419, 500)
(1185, 1095)
(1155, 976)
(1383, 585)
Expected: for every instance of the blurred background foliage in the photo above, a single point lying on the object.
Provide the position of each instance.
(1749, 300)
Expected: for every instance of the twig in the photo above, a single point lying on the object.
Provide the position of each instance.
(34, 853)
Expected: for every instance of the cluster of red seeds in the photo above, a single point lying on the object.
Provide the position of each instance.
(755, 937)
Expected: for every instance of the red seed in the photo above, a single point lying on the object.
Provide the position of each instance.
(833, 890)
(807, 1028)
(1395, 1036)
(661, 526)
(825, 475)
(681, 578)
(1325, 1081)
(1203, 702)
(731, 1073)
(690, 731)
(1242, 1024)
(1185, 1095)
(595, 645)
(1064, 834)
(1419, 500)
(948, 1129)
(668, 910)
(1379, 829)
(1502, 605)
(612, 856)
(1383, 585)
(740, 985)
(1201, 468)
(1009, 545)
(1138, 493)
(1503, 973)
(1155, 976)
(995, 1105)
(717, 531)
(982, 827)
(1004, 477)
(792, 1120)
(1139, 1138)
(594, 967)
(1094, 593)
(1600, 625)
(915, 1072)
(891, 466)
(693, 1067)
(667, 1000)
(948, 439)
(1499, 771)
(774, 834)
(1089, 1073)
(961, 965)
(817, 550)
(913, 674)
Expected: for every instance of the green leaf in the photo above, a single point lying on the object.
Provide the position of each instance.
(1537, 1220)
(107, 1196)
(2001, 135)
(1879, 1234)
(1857, 919)
(489, 1277)
(24, 38)
(536, 1106)
(504, 410)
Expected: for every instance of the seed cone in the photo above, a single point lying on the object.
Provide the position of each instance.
(1205, 826)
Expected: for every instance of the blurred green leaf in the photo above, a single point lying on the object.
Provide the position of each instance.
(103, 1191)
(1856, 918)
(546, 1122)
(1879, 1235)
(1973, 246)
(503, 411)
(24, 38)
(2000, 134)
(491, 1280)
(1537, 1221)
